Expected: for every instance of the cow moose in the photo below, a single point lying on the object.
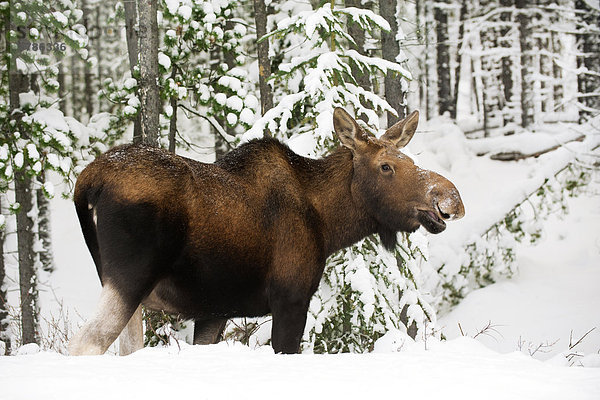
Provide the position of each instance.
(246, 236)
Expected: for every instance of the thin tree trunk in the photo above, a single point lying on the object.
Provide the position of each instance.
(62, 104)
(19, 83)
(173, 120)
(87, 76)
(4, 325)
(487, 42)
(133, 53)
(507, 64)
(390, 50)
(358, 34)
(148, 85)
(589, 60)
(461, 34)
(98, 44)
(445, 99)
(27, 273)
(44, 228)
(75, 110)
(421, 58)
(526, 63)
(264, 64)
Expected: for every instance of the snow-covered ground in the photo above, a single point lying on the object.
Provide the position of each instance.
(554, 298)
(555, 292)
(457, 369)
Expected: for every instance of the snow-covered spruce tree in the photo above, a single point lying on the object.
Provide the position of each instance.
(36, 135)
(365, 288)
(189, 81)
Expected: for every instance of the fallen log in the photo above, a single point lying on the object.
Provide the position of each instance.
(517, 155)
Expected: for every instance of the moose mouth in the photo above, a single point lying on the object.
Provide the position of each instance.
(431, 220)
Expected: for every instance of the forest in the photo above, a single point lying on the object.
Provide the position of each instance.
(199, 77)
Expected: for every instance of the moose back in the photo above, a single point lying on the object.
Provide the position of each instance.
(246, 236)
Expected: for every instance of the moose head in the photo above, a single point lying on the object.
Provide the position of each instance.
(389, 186)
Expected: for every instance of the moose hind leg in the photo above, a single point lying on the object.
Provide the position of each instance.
(132, 337)
(114, 311)
(208, 331)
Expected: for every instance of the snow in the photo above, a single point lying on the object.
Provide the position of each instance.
(185, 12)
(461, 369)
(554, 292)
(164, 60)
(60, 18)
(172, 6)
(130, 83)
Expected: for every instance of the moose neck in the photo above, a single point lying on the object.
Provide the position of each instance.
(345, 221)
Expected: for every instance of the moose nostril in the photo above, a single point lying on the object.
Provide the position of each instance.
(443, 214)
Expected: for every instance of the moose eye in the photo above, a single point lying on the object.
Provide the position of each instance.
(386, 167)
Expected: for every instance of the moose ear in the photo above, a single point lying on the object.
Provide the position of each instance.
(347, 130)
(402, 131)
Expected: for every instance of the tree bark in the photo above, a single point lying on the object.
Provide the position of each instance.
(20, 83)
(461, 35)
(44, 228)
(148, 85)
(507, 64)
(445, 100)
(358, 35)
(62, 104)
(133, 53)
(27, 273)
(87, 76)
(590, 60)
(264, 64)
(526, 63)
(75, 106)
(173, 120)
(4, 325)
(390, 50)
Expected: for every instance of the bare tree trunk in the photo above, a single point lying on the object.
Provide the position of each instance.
(19, 83)
(487, 40)
(133, 53)
(461, 35)
(75, 110)
(526, 63)
(390, 50)
(27, 273)
(445, 100)
(173, 121)
(264, 64)
(44, 228)
(507, 64)
(589, 82)
(98, 43)
(87, 76)
(62, 104)
(4, 325)
(148, 85)
(358, 34)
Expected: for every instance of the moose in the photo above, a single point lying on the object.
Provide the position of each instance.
(246, 236)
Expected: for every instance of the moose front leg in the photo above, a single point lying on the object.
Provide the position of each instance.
(289, 320)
